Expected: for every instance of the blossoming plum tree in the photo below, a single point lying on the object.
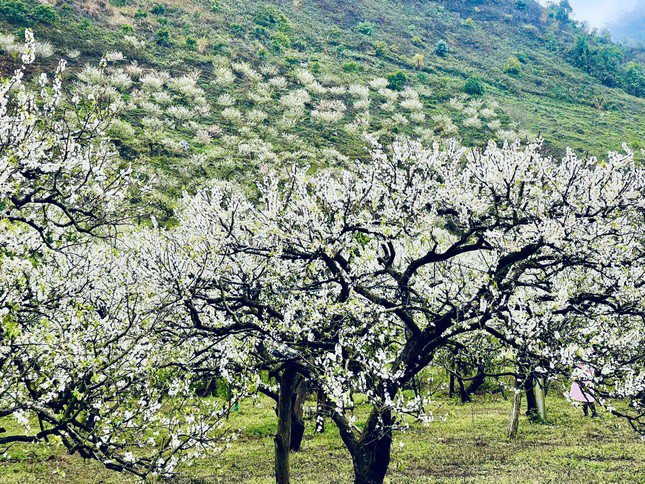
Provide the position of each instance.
(78, 358)
(358, 278)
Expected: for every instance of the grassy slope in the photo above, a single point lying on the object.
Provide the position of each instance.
(549, 96)
(468, 445)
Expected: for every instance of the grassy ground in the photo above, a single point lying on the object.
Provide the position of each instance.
(466, 445)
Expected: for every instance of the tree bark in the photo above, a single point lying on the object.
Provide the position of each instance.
(463, 393)
(531, 403)
(320, 412)
(297, 412)
(371, 457)
(371, 451)
(514, 419)
(282, 438)
(540, 397)
(477, 381)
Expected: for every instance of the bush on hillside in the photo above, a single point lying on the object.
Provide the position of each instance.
(513, 66)
(441, 49)
(397, 81)
(474, 86)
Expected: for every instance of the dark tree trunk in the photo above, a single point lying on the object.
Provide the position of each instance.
(371, 452)
(531, 402)
(371, 456)
(320, 412)
(282, 438)
(297, 412)
(463, 393)
(477, 381)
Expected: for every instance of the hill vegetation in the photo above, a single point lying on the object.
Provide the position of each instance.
(220, 88)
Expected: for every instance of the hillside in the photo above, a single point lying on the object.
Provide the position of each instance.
(219, 88)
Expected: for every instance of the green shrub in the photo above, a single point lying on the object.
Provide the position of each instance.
(236, 29)
(118, 3)
(45, 14)
(280, 41)
(441, 49)
(380, 48)
(15, 12)
(271, 17)
(418, 60)
(365, 28)
(139, 14)
(513, 66)
(292, 60)
(552, 42)
(162, 37)
(521, 5)
(470, 23)
(474, 86)
(351, 66)
(191, 43)
(261, 32)
(633, 79)
(214, 6)
(158, 10)
(397, 80)
(298, 44)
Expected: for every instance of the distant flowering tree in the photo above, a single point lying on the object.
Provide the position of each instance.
(59, 175)
(357, 279)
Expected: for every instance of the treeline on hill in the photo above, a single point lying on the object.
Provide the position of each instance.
(593, 51)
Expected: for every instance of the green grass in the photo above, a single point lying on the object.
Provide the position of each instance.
(467, 443)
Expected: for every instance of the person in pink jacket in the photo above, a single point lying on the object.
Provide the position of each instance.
(583, 377)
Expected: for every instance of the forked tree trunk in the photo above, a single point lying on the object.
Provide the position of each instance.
(372, 460)
(371, 457)
(282, 438)
(297, 413)
(371, 452)
(514, 418)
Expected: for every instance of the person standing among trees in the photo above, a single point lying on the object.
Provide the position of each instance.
(583, 375)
